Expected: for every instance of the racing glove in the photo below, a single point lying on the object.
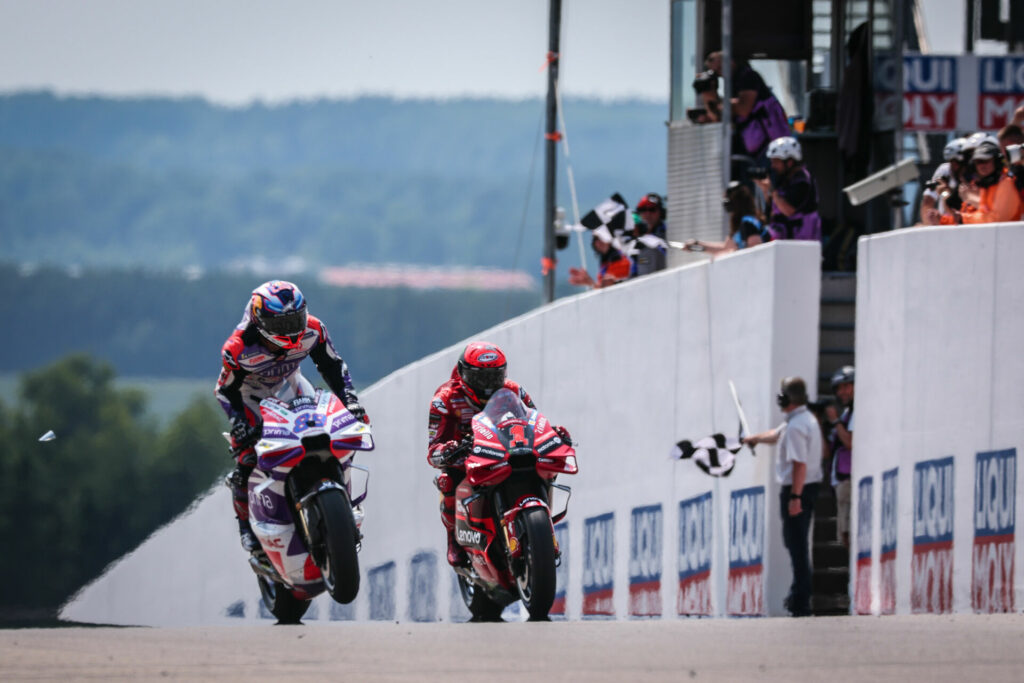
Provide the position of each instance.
(446, 455)
(243, 434)
(564, 434)
(358, 412)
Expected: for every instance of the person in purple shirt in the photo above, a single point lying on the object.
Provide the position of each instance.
(791, 193)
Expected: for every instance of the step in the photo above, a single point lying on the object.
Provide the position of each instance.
(830, 605)
(831, 580)
(838, 285)
(837, 311)
(824, 530)
(836, 335)
(831, 554)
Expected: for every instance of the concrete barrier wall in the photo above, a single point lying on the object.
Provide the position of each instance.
(939, 421)
(630, 370)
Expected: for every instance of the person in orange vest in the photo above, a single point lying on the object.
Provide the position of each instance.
(997, 199)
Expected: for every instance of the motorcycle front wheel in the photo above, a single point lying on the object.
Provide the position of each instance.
(536, 577)
(337, 531)
(280, 602)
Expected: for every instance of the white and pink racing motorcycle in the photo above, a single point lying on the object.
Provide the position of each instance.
(301, 505)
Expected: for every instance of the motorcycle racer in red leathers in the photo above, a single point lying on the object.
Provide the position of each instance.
(262, 358)
(480, 371)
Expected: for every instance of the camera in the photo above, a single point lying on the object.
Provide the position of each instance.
(757, 172)
(931, 184)
(1015, 153)
(706, 81)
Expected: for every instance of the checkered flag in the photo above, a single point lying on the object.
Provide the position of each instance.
(609, 220)
(714, 454)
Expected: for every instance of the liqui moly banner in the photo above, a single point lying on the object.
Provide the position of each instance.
(599, 565)
(745, 593)
(695, 535)
(887, 538)
(645, 561)
(862, 591)
(950, 92)
(562, 570)
(931, 572)
(995, 501)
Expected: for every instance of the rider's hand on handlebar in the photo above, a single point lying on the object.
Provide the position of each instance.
(243, 434)
(448, 454)
(359, 413)
(564, 434)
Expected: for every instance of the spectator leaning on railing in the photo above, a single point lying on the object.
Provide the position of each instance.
(746, 224)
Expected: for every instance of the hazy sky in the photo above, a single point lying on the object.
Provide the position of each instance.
(233, 51)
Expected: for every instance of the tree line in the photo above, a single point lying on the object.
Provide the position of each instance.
(173, 183)
(72, 505)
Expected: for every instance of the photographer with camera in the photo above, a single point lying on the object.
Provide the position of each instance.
(997, 198)
(792, 194)
(757, 115)
(941, 192)
(710, 109)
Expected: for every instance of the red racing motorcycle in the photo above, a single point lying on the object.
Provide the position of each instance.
(503, 516)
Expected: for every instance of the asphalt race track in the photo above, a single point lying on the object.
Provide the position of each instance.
(896, 648)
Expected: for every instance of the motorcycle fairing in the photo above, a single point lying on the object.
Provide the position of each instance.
(508, 525)
(273, 525)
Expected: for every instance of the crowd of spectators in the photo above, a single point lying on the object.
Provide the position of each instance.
(981, 179)
(638, 249)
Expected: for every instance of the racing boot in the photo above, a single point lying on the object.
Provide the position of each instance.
(250, 543)
(457, 556)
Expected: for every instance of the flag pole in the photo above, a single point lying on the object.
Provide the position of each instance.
(550, 148)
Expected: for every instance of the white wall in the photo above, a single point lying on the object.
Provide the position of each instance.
(940, 318)
(630, 370)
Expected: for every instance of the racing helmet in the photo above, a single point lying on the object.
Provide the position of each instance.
(785, 148)
(482, 367)
(843, 375)
(278, 310)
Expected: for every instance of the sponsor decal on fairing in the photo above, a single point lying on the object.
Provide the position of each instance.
(862, 587)
(745, 588)
(992, 558)
(645, 561)
(599, 565)
(695, 537)
(931, 574)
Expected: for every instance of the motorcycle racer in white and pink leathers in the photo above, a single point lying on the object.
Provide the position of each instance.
(262, 357)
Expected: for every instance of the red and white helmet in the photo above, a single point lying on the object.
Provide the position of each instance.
(278, 310)
(482, 367)
(785, 148)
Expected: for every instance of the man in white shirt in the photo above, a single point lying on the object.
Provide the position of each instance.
(798, 470)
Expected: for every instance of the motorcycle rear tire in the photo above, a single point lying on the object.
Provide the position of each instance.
(338, 530)
(536, 581)
(478, 603)
(280, 602)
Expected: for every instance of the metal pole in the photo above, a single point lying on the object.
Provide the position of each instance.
(550, 149)
(969, 28)
(726, 105)
(899, 32)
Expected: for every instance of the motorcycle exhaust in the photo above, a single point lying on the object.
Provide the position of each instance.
(264, 570)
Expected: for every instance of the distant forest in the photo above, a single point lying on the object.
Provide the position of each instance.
(173, 183)
(166, 325)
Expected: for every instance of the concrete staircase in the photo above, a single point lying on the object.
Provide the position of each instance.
(830, 558)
